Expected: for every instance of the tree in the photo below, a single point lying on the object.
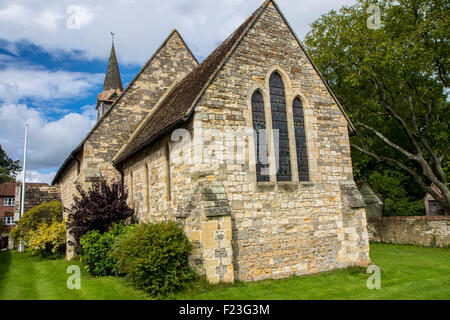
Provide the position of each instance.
(46, 213)
(99, 209)
(393, 82)
(8, 167)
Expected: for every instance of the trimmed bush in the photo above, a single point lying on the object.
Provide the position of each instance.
(155, 258)
(99, 209)
(48, 240)
(95, 250)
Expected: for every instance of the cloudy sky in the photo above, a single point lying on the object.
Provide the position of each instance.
(53, 56)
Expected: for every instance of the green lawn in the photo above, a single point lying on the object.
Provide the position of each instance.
(407, 273)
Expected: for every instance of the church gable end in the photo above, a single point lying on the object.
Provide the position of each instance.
(171, 61)
(269, 82)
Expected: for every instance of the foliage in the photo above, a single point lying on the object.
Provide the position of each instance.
(95, 250)
(393, 82)
(46, 213)
(397, 201)
(98, 209)
(8, 167)
(48, 240)
(155, 257)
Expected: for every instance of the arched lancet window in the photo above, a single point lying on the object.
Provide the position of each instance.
(147, 188)
(280, 125)
(131, 189)
(169, 175)
(300, 140)
(259, 126)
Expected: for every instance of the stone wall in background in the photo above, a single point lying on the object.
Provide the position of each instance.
(35, 194)
(421, 231)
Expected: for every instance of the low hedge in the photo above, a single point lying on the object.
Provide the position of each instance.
(155, 258)
(95, 252)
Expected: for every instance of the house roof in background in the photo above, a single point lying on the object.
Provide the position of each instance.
(8, 189)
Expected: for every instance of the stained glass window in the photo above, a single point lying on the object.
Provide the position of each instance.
(300, 140)
(259, 126)
(280, 125)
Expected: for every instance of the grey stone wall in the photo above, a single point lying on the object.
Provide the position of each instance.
(35, 194)
(420, 231)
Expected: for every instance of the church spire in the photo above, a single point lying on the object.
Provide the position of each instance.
(112, 79)
(112, 88)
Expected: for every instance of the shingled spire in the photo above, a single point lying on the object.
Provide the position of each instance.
(112, 79)
(112, 87)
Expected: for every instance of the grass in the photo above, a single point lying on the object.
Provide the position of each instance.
(24, 277)
(407, 272)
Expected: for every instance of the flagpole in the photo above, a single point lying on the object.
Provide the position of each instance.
(22, 201)
(24, 170)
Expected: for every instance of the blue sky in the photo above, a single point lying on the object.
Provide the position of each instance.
(53, 56)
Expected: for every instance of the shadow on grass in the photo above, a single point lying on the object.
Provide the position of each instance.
(5, 261)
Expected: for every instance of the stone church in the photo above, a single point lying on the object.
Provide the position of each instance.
(249, 151)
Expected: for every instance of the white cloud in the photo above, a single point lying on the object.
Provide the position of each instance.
(32, 82)
(141, 26)
(35, 176)
(49, 142)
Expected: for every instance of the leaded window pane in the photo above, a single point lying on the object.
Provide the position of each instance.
(259, 126)
(279, 123)
(300, 140)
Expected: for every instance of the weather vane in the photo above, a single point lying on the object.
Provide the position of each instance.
(112, 34)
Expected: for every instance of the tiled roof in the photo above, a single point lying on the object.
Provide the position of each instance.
(177, 106)
(8, 189)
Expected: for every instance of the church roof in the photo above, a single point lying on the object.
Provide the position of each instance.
(112, 78)
(178, 104)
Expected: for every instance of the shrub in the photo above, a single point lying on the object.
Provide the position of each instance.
(47, 213)
(48, 240)
(98, 209)
(155, 257)
(95, 250)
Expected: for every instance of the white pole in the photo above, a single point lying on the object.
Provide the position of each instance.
(22, 200)
(24, 169)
